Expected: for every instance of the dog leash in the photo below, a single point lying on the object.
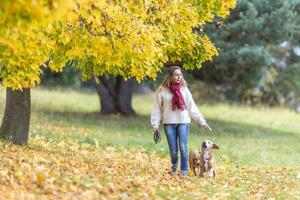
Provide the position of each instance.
(156, 137)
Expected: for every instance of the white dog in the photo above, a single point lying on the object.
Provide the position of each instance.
(207, 160)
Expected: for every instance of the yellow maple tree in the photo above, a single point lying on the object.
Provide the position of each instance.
(131, 38)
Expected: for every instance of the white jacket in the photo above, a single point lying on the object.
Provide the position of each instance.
(162, 109)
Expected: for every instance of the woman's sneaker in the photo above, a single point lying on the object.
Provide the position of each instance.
(183, 172)
(173, 172)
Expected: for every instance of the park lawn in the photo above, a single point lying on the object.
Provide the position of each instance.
(73, 151)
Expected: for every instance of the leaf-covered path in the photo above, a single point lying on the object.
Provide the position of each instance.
(68, 169)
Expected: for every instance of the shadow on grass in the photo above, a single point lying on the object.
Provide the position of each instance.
(141, 124)
(242, 144)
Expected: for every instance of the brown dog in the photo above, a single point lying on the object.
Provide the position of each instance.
(207, 160)
(194, 161)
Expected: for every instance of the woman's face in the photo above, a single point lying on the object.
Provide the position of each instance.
(177, 76)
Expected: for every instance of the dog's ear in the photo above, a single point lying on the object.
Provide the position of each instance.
(215, 146)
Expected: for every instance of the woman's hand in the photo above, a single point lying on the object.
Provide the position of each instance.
(156, 135)
(205, 125)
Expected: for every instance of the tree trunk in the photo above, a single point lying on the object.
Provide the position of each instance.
(107, 95)
(16, 118)
(125, 89)
(115, 95)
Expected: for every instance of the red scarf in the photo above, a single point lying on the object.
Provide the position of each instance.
(177, 99)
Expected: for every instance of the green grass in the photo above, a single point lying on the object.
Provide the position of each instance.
(247, 136)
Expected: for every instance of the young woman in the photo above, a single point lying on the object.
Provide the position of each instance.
(174, 104)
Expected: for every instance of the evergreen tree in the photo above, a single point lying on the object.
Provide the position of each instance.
(249, 67)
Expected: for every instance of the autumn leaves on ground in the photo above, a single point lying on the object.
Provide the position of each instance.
(75, 153)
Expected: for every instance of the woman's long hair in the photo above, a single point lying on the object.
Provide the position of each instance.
(167, 81)
(168, 78)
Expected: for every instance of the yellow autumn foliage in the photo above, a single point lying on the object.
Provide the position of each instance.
(24, 46)
(66, 169)
(135, 38)
(131, 38)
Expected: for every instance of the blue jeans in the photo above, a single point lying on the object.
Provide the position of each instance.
(178, 133)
